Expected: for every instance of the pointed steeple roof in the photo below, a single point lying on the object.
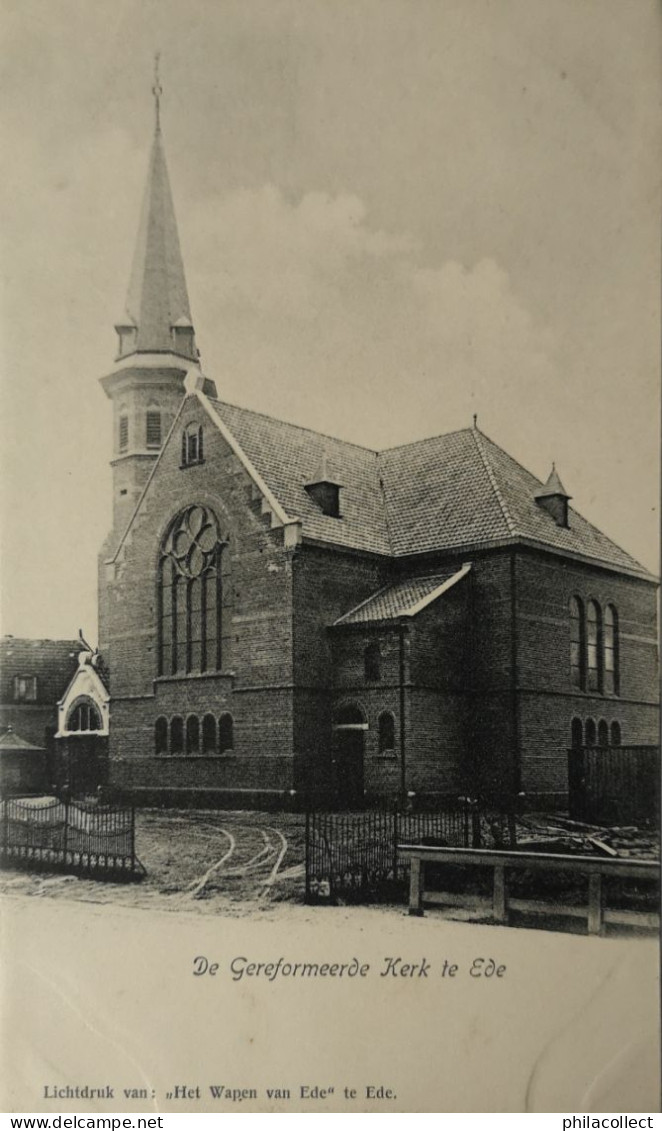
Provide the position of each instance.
(157, 306)
(553, 486)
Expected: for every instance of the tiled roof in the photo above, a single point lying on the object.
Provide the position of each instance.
(459, 491)
(53, 662)
(287, 457)
(404, 598)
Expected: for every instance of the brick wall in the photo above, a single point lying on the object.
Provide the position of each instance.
(547, 699)
(255, 684)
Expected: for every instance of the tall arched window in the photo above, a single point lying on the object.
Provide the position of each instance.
(590, 732)
(616, 734)
(577, 644)
(372, 663)
(603, 733)
(177, 735)
(209, 735)
(386, 726)
(594, 647)
(611, 650)
(161, 736)
(190, 594)
(576, 733)
(193, 735)
(225, 734)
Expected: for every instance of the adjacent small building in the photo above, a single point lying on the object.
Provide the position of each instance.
(33, 676)
(22, 766)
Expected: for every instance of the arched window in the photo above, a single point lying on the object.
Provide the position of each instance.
(190, 597)
(192, 441)
(594, 646)
(83, 716)
(590, 732)
(616, 734)
(611, 651)
(192, 735)
(576, 733)
(386, 727)
(153, 428)
(603, 733)
(225, 735)
(161, 735)
(209, 735)
(177, 735)
(371, 663)
(577, 644)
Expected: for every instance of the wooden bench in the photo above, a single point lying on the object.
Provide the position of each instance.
(594, 868)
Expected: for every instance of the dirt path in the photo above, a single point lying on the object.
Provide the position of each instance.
(203, 861)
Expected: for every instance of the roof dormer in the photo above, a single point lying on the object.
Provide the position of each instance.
(553, 498)
(325, 491)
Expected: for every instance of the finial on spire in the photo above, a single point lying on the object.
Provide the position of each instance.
(475, 419)
(157, 90)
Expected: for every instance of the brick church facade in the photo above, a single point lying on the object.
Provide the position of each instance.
(286, 616)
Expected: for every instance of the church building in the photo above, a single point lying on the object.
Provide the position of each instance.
(287, 618)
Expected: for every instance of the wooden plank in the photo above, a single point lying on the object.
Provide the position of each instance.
(626, 918)
(536, 861)
(538, 907)
(619, 917)
(456, 899)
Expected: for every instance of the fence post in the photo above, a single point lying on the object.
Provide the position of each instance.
(475, 825)
(133, 838)
(307, 885)
(66, 828)
(594, 903)
(416, 880)
(499, 897)
(396, 831)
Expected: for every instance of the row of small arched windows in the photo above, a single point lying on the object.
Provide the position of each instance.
(588, 734)
(594, 647)
(194, 736)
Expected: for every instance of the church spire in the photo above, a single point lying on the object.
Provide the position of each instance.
(157, 305)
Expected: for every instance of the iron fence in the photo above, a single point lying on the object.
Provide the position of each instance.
(356, 856)
(52, 835)
(614, 784)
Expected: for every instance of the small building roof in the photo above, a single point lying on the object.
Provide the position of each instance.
(405, 598)
(53, 662)
(12, 741)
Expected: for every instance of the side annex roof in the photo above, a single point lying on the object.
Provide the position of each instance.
(406, 598)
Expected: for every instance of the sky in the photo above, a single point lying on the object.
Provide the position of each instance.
(393, 214)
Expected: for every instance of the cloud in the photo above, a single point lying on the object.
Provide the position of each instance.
(311, 289)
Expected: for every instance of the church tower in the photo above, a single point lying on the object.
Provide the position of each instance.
(156, 341)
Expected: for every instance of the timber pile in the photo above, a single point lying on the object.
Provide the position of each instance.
(557, 833)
